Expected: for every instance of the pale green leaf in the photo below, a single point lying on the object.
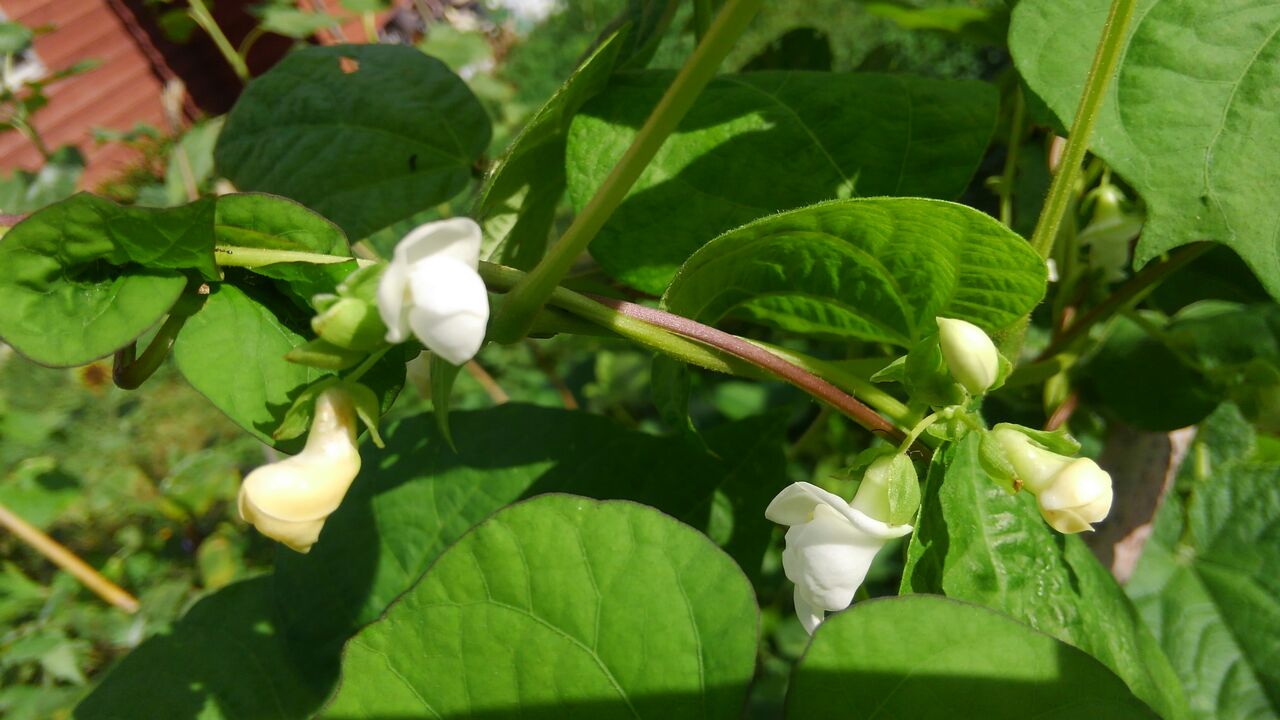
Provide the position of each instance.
(1189, 119)
(565, 605)
(927, 658)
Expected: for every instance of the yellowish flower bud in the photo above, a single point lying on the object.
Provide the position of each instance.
(289, 500)
(1073, 493)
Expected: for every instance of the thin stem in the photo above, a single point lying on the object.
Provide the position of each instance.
(67, 560)
(1010, 172)
(370, 28)
(128, 370)
(1105, 60)
(1132, 291)
(513, 317)
(248, 257)
(920, 427)
(366, 364)
(853, 383)
(201, 15)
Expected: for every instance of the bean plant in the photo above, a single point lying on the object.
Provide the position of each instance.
(984, 310)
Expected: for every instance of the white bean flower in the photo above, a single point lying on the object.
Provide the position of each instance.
(830, 544)
(289, 500)
(1072, 493)
(432, 289)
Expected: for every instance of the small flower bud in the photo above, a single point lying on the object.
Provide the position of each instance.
(289, 500)
(350, 323)
(969, 353)
(1072, 493)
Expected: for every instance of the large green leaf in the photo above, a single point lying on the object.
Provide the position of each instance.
(223, 659)
(976, 542)
(233, 351)
(518, 202)
(363, 134)
(418, 496)
(1207, 581)
(84, 277)
(875, 269)
(924, 657)
(1189, 119)
(757, 143)
(566, 607)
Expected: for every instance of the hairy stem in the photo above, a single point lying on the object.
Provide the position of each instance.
(513, 318)
(1105, 60)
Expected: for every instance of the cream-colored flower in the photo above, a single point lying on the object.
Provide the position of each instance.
(969, 353)
(289, 500)
(829, 546)
(1073, 493)
(432, 289)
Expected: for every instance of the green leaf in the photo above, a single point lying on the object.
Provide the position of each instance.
(646, 21)
(878, 269)
(517, 206)
(190, 166)
(418, 496)
(223, 659)
(925, 657)
(758, 143)
(290, 21)
(977, 542)
(84, 277)
(14, 38)
(395, 135)
(443, 375)
(1207, 580)
(1189, 119)
(563, 605)
(24, 192)
(211, 353)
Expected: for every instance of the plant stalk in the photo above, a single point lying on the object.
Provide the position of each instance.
(202, 17)
(514, 317)
(1105, 61)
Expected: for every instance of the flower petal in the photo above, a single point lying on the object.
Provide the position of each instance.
(796, 503)
(457, 238)
(450, 308)
(393, 303)
(829, 558)
(810, 615)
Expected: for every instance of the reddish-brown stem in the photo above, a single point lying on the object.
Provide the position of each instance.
(761, 358)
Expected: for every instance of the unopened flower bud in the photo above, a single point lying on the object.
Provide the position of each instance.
(829, 547)
(1073, 493)
(969, 353)
(350, 323)
(289, 500)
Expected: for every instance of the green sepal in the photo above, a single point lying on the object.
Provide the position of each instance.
(297, 419)
(368, 409)
(1058, 441)
(927, 378)
(351, 324)
(895, 371)
(322, 354)
(993, 460)
(443, 375)
(904, 491)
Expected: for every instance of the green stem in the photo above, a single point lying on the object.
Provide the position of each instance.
(1010, 172)
(851, 382)
(919, 428)
(201, 15)
(366, 364)
(1105, 60)
(694, 343)
(248, 257)
(129, 371)
(513, 317)
(1132, 292)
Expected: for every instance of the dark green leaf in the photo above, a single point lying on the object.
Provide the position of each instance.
(224, 659)
(645, 21)
(757, 143)
(977, 542)
(363, 134)
(877, 269)
(567, 607)
(1207, 581)
(518, 201)
(799, 49)
(418, 496)
(1188, 120)
(923, 657)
